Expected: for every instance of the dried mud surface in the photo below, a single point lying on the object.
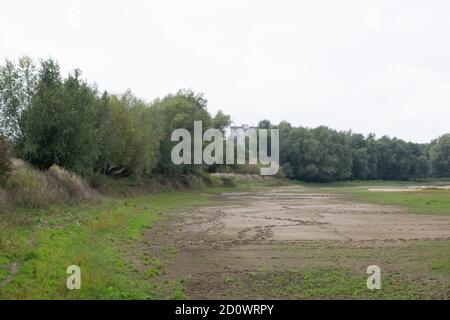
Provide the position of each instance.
(283, 229)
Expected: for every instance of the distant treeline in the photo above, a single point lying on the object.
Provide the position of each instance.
(322, 154)
(48, 119)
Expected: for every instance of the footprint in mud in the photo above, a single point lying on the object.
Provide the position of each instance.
(295, 222)
(257, 233)
(243, 232)
(263, 233)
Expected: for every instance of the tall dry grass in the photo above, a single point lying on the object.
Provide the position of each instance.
(31, 188)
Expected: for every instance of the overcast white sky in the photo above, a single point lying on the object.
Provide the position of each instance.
(369, 66)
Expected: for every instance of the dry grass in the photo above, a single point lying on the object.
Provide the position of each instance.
(72, 185)
(28, 187)
(32, 188)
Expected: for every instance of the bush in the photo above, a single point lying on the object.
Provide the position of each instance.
(32, 188)
(192, 181)
(228, 182)
(215, 182)
(5, 159)
(73, 185)
(28, 187)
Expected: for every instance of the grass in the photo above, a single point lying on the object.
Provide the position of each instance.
(320, 283)
(425, 201)
(91, 238)
(326, 283)
(413, 270)
(417, 270)
(97, 237)
(433, 201)
(44, 242)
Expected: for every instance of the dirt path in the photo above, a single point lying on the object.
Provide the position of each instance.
(223, 250)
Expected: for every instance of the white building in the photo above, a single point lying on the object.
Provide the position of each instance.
(242, 129)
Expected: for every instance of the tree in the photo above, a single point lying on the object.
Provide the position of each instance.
(360, 164)
(394, 160)
(322, 154)
(147, 137)
(116, 136)
(59, 126)
(422, 167)
(264, 124)
(5, 159)
(53, 120)
(221, 121)
(180, 111)
(440, 156)
(17, 87)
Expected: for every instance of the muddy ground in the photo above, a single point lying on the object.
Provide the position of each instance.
(289, 242)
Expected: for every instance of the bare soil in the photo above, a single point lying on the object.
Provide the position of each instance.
(222, 250)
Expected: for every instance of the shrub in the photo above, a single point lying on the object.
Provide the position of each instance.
(5, 159)
(192, 181)
(215, 182)
(27, 187)
(228, 182)
(32, 188)
(73, 185)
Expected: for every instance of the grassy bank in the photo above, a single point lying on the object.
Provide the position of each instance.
(37, 246)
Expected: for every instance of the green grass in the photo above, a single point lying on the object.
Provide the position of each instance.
(323, 283)
(433, 201)
(374, 183)
(333, 270)
(96, 237)
(426, 201)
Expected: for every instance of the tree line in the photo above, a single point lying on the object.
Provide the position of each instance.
(322, 154)
(49, 119)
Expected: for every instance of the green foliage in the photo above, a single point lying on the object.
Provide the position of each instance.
(264, 124)
(319, 154)
(53, 120)
(59, 126)
(130, 133)
(221, 121)
(65, 121)
(424, 202)
(5, 159)
(440, 156)
(180, 111)
(324, 155)
(17, 86)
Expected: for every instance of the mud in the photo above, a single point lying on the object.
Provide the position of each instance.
(247, 232)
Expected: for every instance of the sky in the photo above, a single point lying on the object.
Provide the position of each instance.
(369, 66)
